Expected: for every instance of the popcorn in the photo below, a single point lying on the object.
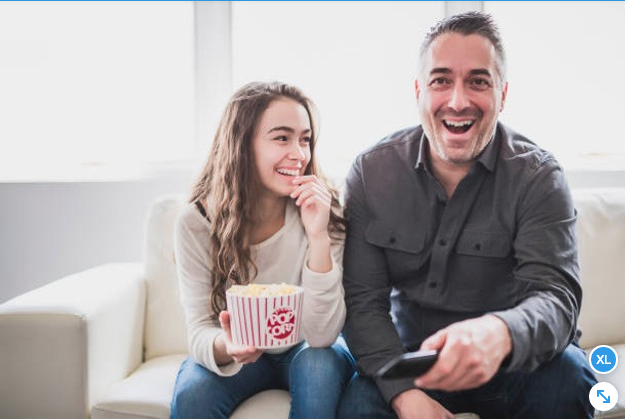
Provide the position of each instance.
(256, 290)
(265, 316)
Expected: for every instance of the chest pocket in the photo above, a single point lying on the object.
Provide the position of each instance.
(404, 240)
(484, 243)
(404, 249)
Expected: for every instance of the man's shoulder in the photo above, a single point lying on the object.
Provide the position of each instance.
(519, 150)
(403, 143)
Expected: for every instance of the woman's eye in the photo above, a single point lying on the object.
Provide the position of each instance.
(306, 140)
(281, 138)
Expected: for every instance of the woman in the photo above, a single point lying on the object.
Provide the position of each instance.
(261, 212)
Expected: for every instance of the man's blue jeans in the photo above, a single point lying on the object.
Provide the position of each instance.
(556, 390)
(315, 378)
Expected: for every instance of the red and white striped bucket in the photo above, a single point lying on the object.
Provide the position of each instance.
(266, 321)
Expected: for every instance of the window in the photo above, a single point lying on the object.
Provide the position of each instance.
(94, 84)
(565, 67)
(357, 62)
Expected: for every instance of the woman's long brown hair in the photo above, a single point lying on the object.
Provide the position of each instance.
(229, 184)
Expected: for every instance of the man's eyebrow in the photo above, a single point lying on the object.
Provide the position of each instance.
(285, 128)
(480, 72)
(438, 70)
(475, 72)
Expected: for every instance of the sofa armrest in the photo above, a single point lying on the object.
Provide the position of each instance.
(62, 344)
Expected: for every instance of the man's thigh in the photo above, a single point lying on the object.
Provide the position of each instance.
(557, 389)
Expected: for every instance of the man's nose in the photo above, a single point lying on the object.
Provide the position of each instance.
(459, 99)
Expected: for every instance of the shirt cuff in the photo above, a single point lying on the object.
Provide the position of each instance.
(226, 370)
(392, 388)
(518, 333)
(320, 280)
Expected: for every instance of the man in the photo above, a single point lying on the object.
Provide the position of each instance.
(464, 231)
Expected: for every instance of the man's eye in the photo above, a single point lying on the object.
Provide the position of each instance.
(439, 80)
(480, 84)
(439, 83)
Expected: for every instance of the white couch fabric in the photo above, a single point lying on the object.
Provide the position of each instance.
(108, 342)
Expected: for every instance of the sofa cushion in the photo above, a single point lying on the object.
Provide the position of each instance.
(147, 393)
(601, 233)
(165, 328)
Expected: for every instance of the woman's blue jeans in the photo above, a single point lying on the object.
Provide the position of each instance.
(315, 377)
(556, 390)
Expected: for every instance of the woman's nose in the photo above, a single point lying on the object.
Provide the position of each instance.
(296, 151)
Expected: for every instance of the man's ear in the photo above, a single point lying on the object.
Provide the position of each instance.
(416, 88)
(504, 94)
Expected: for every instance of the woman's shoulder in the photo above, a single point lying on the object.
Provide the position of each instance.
(190, 218)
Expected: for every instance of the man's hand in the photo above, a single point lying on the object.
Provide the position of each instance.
(471, 352)
(415, 404)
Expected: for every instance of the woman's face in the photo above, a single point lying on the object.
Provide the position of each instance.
(281, 146)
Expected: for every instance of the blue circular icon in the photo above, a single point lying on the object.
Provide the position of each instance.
(603, 359)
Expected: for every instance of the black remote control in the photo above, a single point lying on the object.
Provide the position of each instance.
(408, 365)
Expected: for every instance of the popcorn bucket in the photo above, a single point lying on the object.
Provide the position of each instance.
(265, 316)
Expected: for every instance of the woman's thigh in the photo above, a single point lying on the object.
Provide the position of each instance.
(200, 393)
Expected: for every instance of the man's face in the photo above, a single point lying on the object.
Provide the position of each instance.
(459, 95)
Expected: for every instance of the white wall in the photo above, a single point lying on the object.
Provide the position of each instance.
(48, 230)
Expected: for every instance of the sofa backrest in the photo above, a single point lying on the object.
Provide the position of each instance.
(165, 328)
(601, 234)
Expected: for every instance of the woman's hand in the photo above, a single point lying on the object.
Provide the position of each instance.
(233, 352)
(314, 199)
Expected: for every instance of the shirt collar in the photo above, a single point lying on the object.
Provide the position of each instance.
(488, 157)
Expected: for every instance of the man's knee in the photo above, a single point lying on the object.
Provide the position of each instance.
(362, 399)
(564, 383)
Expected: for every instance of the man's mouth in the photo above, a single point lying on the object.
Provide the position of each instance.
(288, 172)
(458, 127)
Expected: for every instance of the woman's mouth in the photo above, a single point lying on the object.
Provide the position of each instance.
(458, 127)
(288, 172)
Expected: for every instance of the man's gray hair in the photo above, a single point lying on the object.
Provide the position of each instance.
(469, 23)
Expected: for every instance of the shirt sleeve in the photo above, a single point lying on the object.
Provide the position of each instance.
(369, 330)
(544, 320)
(194, 279)
(324, 300)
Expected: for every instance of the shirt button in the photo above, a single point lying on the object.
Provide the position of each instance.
(442, 242)
(433, 284)
(392, 240)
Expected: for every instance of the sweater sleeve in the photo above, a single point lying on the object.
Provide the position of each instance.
(194, 280)
(324, 302)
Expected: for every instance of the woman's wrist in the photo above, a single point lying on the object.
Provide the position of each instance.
(220, 352)
(319, 259)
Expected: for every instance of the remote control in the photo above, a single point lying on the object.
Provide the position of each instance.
(408, 365)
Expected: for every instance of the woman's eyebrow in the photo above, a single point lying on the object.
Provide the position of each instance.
(287, 129)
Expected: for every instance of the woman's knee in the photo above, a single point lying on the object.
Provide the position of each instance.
(322, 363)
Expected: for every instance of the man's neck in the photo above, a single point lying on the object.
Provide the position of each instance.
(449, 174)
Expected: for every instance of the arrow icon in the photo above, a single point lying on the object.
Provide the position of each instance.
(600, 394)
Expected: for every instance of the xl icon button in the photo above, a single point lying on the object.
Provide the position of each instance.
(603, 359)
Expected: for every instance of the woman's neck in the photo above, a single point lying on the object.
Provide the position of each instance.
(270, 215)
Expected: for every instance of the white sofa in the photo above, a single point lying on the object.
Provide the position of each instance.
(107, 343)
